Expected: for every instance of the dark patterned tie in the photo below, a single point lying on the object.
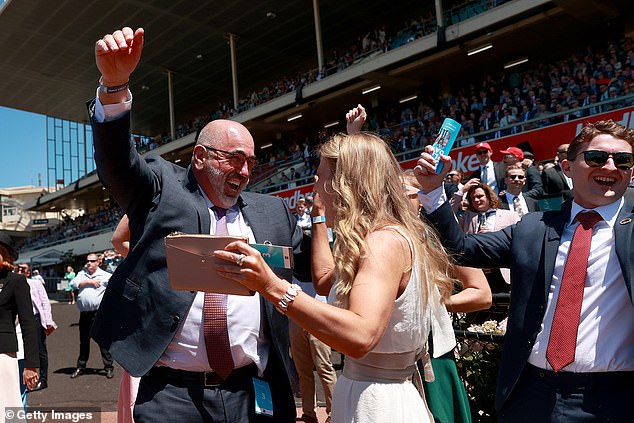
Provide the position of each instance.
(563, 334)
(517, 205)
(484, 175)
(215, 317)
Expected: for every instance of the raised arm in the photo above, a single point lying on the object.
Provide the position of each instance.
(117, 56)
(355, 119)
(322, 262)
(425, 170)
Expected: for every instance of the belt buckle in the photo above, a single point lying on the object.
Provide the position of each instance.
(211, 380)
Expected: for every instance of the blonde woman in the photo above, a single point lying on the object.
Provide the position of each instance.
(383, 278)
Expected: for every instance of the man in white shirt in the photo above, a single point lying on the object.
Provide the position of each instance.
(569, 348)
(91, 283)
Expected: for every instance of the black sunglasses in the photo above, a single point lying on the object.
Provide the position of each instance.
(598, 158)
(513, 177)
(91, 261)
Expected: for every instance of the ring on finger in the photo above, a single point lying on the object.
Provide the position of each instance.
(240, 259)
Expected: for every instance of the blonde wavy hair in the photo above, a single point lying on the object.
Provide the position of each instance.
(368, 196)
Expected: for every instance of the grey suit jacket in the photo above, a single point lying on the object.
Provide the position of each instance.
(529, 249)
(140, 313)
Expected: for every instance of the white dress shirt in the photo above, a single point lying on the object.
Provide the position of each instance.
(491, 181)
(89, 297)
(187, 351)
(605, 339)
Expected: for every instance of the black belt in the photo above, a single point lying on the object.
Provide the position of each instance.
(579, 379)
(206, 379)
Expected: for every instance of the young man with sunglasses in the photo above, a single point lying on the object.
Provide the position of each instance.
(533, 187)
(91, 283)
(513, 198)
(569, 347)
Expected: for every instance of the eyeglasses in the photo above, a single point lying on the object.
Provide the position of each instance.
(514, 177)
(598, 158)
(451, 175)
(21, 269)
(235, 158)
(91, 261)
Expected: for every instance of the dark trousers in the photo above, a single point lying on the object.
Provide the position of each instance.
(86, 319)
(43, 351)
(176, 395)
(545, 396)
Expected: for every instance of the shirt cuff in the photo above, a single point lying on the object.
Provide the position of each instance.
(433, 199)
(110, 112)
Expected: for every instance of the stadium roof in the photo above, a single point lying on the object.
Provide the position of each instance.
(47, 63)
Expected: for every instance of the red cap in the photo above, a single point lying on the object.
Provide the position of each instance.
(484, 145)
(514, 151)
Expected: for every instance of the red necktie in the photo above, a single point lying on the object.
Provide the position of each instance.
(215, 318)
(563, 334)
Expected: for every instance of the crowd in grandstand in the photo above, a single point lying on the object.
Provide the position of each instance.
(380, 39)
(75, 227)
(489, 109)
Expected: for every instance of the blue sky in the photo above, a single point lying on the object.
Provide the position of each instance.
(23, 141)
(22, 146)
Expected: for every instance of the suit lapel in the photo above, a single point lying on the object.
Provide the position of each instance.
(623, 228)
(255, 217)
(554, 223)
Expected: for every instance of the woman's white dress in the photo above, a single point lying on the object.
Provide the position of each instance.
(377, 388)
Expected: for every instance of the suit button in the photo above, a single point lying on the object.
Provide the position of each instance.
(176, 320)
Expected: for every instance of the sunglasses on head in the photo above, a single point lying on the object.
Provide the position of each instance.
(598, 158)
(514, 177)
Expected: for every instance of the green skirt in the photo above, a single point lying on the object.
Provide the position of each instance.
(446, 395)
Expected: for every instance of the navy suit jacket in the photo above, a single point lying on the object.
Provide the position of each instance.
(554, 182)
(140, 312)
(529, 249)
